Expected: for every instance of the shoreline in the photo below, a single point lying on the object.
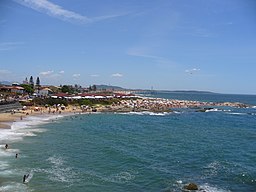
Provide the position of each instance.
(142, 104)
(8, 118)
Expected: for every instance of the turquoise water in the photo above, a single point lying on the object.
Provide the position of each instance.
(132, 152)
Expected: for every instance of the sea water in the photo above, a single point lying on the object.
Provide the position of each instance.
(132, 151)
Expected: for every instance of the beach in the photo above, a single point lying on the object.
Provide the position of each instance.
(7, 118)
(128, 105)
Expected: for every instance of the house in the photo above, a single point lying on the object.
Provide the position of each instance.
(17, 89)
(44, 92)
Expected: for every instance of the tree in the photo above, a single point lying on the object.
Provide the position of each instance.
(28, 88)
(94, 88)
(67, 89)
(38, 82)
(26, 81)
(31, 81)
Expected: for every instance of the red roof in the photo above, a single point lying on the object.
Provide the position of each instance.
(61, 95)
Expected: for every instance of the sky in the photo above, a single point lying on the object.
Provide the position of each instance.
(205, 45)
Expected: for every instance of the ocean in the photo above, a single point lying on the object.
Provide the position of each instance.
(134, 151)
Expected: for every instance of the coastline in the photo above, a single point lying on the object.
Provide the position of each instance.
(8, 118)
(142, 104)
(30, 125)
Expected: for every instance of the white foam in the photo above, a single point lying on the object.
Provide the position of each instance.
(207, 188)
(147, 113)
(59, 171)
(24, 128)
(212, 168)
(213, 110)
(14, 187)
(237, 113)
(6, 172)
(8, 152)
(3, 165)
(56, 161)
(177, 112)
(123, 177)
(204, 187)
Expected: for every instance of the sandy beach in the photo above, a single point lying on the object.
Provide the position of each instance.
(6, 119)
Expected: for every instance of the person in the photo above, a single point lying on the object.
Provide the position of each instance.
(25, 177)
(6, 146)
(16, 156)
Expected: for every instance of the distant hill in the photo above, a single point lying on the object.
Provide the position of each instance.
(191, 91)
(175, 91)
(108, 87)
(5, 83)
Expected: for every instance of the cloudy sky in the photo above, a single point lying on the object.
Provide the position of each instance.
(165, 44)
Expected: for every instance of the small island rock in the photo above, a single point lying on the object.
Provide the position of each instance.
(191, 186)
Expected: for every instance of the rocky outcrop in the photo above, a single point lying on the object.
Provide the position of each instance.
(191, 186)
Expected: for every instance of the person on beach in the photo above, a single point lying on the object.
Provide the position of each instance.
(6, 146)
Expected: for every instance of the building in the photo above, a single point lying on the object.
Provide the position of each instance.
(17, 89)
(44, 92)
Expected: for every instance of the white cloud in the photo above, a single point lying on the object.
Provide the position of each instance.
(192, 71)
(6, 75)
(61, 72)
(94, 75)
(76, 75)
(142, 53)
(6, 46)
(117, 75)
(54, 10)
(4, 72)
(46, 73)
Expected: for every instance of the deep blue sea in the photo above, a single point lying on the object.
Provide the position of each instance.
(134, 151)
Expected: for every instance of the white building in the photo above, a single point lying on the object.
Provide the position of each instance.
(44, 92)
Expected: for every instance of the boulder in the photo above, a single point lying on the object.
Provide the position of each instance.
(191, 186)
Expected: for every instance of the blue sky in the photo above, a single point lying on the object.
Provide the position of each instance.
(165, 44)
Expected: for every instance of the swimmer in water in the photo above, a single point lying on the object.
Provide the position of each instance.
(25, 177)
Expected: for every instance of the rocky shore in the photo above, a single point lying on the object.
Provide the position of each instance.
(162, 105)
(157, 105)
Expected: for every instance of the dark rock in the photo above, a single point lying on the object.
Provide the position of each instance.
(191, 186)
(205, 109)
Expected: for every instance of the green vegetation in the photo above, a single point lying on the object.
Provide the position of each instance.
(88, 102)
(28, 88)
(49, 101)
(67, 89)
